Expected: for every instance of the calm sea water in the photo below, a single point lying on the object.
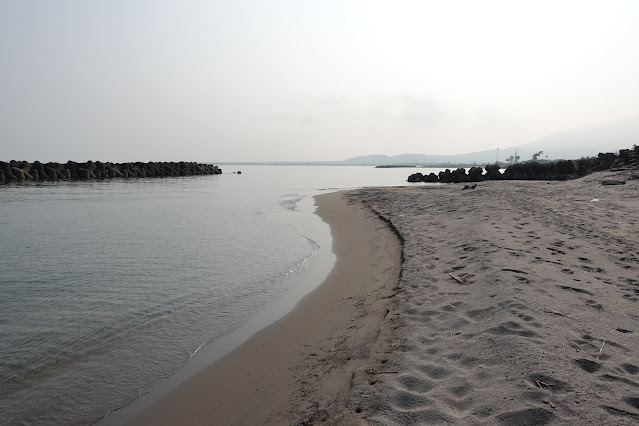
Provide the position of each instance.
(107, 288)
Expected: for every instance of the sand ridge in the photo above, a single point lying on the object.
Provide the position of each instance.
(519, 305)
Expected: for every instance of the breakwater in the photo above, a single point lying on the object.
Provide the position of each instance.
(20, 171)
(532, 170)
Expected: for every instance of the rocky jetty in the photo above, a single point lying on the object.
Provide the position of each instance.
(20, 171)
(532, 170)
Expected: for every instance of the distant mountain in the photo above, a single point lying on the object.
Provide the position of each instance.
(584, 142)
(572, 144)
(376, 159)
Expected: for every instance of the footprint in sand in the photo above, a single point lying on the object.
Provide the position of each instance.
(530, 416)
(575, 289)
(587, 365)
(512, 328)
(591, 269)
(415, 384)
(594, 304)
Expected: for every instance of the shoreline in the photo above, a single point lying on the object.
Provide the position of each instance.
(302, 368)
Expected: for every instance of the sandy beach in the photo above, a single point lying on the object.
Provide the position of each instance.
(301, 369)
(516, 305)
(519, 304)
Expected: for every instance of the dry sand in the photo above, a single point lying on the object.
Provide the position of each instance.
(300, 369)
(517, 305)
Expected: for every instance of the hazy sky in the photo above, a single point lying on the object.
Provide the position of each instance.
(306, 80)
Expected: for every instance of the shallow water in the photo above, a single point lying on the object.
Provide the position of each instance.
(110, 287)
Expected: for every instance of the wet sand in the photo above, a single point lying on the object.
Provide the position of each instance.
(301, 369)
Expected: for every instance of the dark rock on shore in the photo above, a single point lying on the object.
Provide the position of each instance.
(416, 177)
(532, 170)
(561, 170)
(19, 171)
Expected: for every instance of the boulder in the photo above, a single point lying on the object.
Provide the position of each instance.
(149, 170)
(415, 177)
(445, 176)
(8, 173)
(40, 168)
(18, 173)
(459, 175)
(56, 166)
(475, 174)
(72, 167)
(492, 172)
(26, 174)
(565, 169)
(100, 166)
(605, 161)
(51, 173)
(84, 174)
(431, 178)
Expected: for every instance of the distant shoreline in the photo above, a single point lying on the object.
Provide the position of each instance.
(342, 164)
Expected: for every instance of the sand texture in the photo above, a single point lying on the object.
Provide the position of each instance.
(301, 369)
(519, 305)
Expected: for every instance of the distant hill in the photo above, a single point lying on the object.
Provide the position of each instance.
(571, 144)
(585, 142)
(376, 159)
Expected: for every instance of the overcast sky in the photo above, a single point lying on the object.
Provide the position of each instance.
(306, 80)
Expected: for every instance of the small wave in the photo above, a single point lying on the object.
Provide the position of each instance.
(192, 354)
(312, 243)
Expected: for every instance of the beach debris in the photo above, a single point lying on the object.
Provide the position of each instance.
(549, 402)
(393, 294)
(542, 384)
(373, 371)
(594, 200)
(458, 279)
(601, 349)
(552, 311)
